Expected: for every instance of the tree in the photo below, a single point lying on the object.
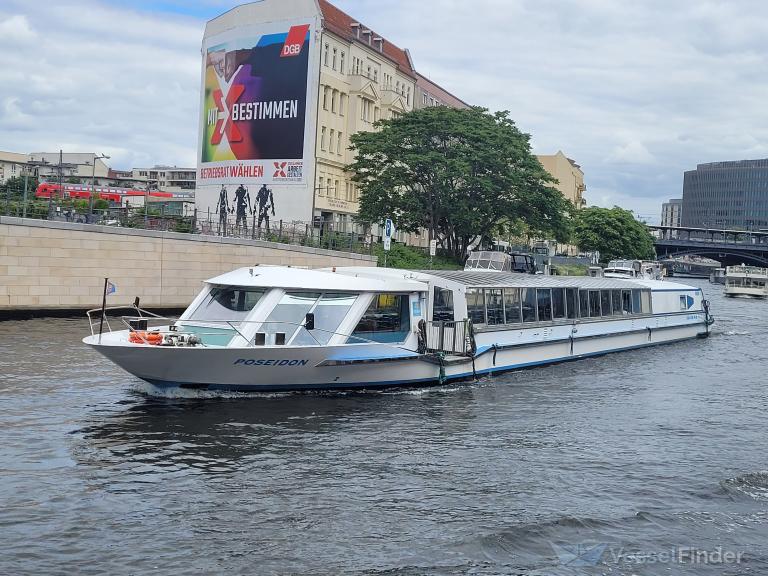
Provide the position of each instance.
(14, 187)
(614, 232)
(458, 173)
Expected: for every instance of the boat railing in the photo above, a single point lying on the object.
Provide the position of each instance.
(102, 319)
(448, 336)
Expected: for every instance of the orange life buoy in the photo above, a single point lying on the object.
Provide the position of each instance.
(145, 338)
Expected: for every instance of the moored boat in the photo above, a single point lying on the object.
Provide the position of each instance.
(276, 328)
(746, 281)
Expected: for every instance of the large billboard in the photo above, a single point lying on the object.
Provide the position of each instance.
(258, 95)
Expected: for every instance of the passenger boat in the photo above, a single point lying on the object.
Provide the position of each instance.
(266, 328)
(633, 269)
(746, 281)
(717, 276)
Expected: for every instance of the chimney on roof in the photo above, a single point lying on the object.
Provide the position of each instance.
(379, 41)
(356, 27)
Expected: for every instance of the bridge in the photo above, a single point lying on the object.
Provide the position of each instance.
(729, 247)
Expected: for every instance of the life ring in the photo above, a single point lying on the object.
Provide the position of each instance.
(153, 338)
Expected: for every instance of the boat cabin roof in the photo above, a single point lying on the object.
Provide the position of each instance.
(383, 280)
(327, 279)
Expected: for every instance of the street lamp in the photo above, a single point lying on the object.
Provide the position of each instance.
(93, 182)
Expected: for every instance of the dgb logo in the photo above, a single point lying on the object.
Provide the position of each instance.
(294, 41)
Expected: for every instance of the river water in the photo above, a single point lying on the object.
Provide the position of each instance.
(644, 462)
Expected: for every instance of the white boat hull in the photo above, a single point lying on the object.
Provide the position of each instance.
(274, 368)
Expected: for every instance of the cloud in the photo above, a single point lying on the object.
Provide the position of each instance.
(16, 29)
(635, 92)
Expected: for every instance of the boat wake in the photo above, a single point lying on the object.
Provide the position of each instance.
(753, 484)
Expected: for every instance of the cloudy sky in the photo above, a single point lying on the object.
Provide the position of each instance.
(635, 92)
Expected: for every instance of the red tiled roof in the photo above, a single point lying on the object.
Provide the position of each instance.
(438, 91)
(340, 23)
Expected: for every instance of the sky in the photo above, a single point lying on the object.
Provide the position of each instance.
(634, 92)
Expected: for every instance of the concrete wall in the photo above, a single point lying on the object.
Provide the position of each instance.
(58, 265)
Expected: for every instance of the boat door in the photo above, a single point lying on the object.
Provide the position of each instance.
(444, 332)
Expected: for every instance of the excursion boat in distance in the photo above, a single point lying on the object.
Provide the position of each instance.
(266, 328)
(746, 281)
(717, 276)
(633, 269)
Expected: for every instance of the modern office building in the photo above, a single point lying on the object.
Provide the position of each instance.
(569, 176)
(285, 85)
(671, 212)
(730, 195)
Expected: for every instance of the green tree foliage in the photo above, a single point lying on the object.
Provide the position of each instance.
(614, 232)
(14, 187)
(459, 174)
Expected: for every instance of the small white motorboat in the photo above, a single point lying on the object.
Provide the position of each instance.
(266, 328)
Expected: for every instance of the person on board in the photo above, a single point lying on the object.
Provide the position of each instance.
(266, 202)
(242, 201)
(222, 207)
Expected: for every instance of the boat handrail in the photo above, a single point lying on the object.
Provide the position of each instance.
(143, 315)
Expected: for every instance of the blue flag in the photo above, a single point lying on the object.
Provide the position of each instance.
(111, 288)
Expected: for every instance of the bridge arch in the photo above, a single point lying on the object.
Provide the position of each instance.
(725, 257)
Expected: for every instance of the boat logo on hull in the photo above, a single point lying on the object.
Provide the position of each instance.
(271, 362)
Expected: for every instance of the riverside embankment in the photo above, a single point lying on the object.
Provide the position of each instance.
(50, 265)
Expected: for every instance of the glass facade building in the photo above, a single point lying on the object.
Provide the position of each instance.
(730, 195)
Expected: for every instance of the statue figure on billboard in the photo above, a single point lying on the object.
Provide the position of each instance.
(242, 201)
(266, 203)
(222, 207)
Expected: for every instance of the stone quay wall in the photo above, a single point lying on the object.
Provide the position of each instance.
(60, 265)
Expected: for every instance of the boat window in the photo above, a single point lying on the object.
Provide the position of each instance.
(442, 305)
(636, 303)
(626, 301)
(645, 298)
(528, 299)
(494, 306)
(584, 303)
(387, 319)
(288, 315)
(558, 303)
(571, 303)
(605, 301)
(512, 313)
(544, 298)
(475, 305)
(329, 312)
(227, 303)
(616, 302)
(594, 303)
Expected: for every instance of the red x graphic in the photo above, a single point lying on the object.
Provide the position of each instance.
(279, 169)
(233, 134)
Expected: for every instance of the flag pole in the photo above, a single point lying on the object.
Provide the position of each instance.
(103, 307)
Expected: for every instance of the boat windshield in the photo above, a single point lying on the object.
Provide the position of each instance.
(227, 303)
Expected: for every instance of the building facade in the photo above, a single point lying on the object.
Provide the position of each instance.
(12, 165)
(671, 212)
(729, 195)
(363, 78)
(165, 178)
(569, 176)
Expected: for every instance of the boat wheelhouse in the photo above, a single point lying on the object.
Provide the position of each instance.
(276, 328)
(746, 281)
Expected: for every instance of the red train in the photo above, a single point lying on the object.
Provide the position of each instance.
(83, 192)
